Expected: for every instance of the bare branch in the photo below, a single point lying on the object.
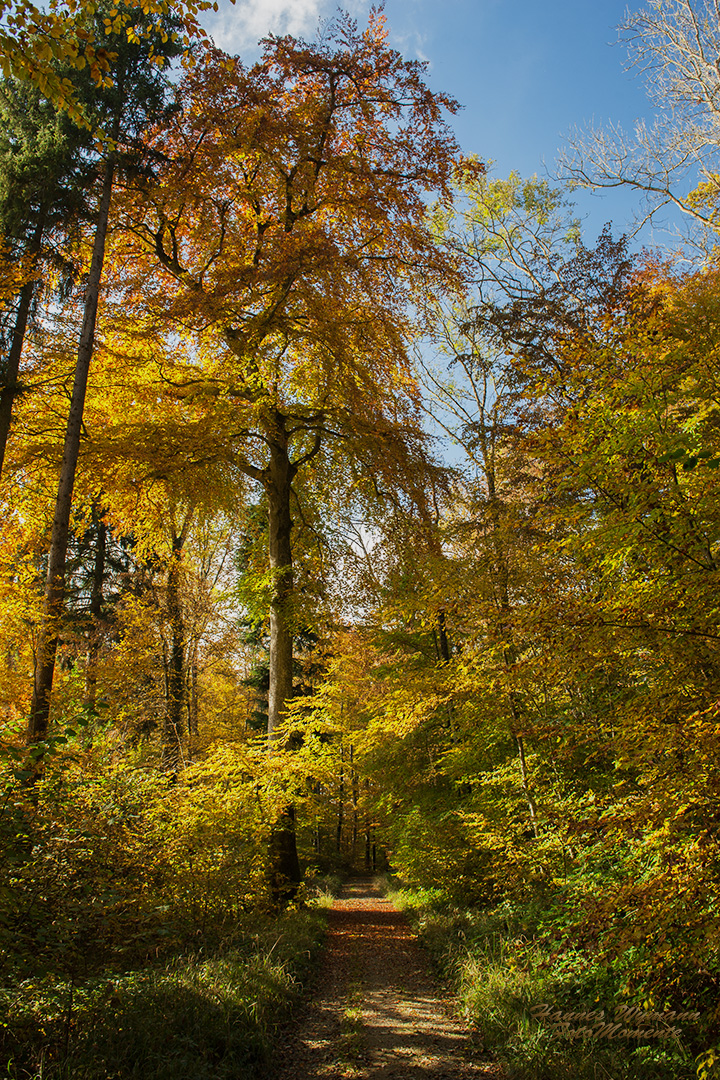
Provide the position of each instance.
(675, 160)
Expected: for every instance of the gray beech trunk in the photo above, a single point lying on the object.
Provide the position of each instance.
(12, 367)
(341, 803)
(173, 726)
(277, 479)
(96, 611)
(174, 722)
(193, 700)
(284, 868)
(278, 488)
(55, 584)
(532, 808)
(368, 828)
(355, 800)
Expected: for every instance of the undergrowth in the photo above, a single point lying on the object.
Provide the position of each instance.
(137, 937)
(197, 1017)
(502, 965)
(323, 889)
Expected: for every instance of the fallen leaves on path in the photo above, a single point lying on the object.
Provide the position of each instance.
(377, 1013)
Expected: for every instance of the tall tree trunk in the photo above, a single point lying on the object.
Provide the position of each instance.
(193, 703)
(443, 643)
(55, 585)
(341, 803)
(368, 827)
(281, 473)
(173, 725)
(355, 800)
(12, 367)
(502, 575)
(317, 831)
(532, 808)
(284, 868)
(96, 606)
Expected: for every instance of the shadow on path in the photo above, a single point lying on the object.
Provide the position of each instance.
(376, 1012)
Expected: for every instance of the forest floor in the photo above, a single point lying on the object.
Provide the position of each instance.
(376, 1011)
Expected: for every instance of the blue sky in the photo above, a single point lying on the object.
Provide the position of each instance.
(525, 72)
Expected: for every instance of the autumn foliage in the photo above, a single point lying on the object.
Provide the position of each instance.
(291, 639)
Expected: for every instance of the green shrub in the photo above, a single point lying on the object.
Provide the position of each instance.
(502, 965)
(197, 1018)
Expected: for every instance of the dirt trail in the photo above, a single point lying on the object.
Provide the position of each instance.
(376, 1012)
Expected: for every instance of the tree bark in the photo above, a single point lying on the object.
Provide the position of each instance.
(96, 606)
(173, 725)
(355, 801)
(284, 867)
(55, 584)
(193, 702)
(502, 574)
(10, 382)
(341, 803)
(368, 828)
(532, 808)
(443, 643)
(280, 475)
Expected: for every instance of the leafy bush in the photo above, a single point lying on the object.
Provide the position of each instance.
(196, 1018)
(134, 943)
(503, 963)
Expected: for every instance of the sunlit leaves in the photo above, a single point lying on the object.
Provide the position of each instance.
(33, 42)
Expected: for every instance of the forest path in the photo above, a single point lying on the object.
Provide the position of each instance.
(377, 1012)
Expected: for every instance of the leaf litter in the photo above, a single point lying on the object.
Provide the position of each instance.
(376, 1013)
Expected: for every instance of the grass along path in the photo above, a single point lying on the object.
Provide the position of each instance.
(377, 1012)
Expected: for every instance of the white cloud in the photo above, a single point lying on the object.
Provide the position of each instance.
(411, 44)
(238, 28)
